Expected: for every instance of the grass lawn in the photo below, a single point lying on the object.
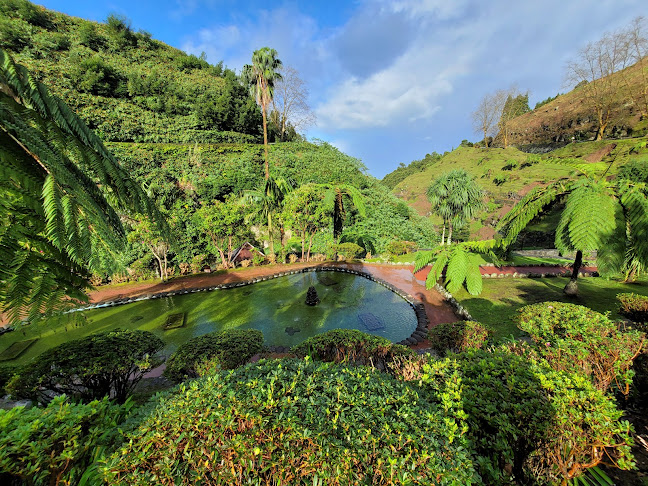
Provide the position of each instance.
(498, 303)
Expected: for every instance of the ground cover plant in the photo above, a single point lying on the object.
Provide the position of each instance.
(108, 364)
(294, 422)
(458, 336)
(222, 350)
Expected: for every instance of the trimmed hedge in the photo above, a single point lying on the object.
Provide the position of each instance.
(577, 339)
(225, 350)
(352, 346)
(103, 364)
(633, 306)
(294, 422)
(458, 336)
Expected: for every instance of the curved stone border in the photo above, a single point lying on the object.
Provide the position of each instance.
(566, 273)
(460, 311)
(419, 334)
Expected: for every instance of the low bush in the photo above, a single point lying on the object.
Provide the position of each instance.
(498, 180)
(104, 364)
(401, 247)
(294, 422)
(528, 423)
(226, 350)
(59, 443)
(633, 306)
(345, 251)
(574, 338)
(510, 165)
(352, 346)
(458, 336)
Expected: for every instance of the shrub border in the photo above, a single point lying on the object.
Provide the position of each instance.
(417, 336)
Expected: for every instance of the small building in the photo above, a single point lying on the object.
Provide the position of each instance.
(246, 251)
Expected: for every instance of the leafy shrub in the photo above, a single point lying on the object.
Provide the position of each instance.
(500, 179)
(104, 364)
(190, 62)
(6, 373)
(120, 32)
(257, 259)
(13, 35)
(89, 37)
(352, 346)
(94, 76)
(458, 336)
(346, 251)
(527, 422)
(401, 247)
(57, 444)
(633, 306)
(574, 338)
(227, 349)
(635, 171)
(294, 422)
(510, 165)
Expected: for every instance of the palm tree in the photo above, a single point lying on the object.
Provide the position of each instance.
(261, 77)
(335, 196)
(60, 199)
(456, 198)
(270, 199)
(610, 217)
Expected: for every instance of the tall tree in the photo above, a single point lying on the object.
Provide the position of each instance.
(60, 200)
(486, 117)
(456, 198)
(306, 213)
(635, 39)
(610, 217)
(147, 235)
(290, 103)
(270, 200)
(514, 104)
(223, 224)
(592, 70)
(261, 77)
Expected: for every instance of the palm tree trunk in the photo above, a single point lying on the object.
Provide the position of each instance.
(571, 288)
(443, 235)
(449, 240)
(265, 141)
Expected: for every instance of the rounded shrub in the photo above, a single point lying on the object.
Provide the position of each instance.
(574, 338)
(633, 306)
(528, 423)
(104, 364)
(293, 422)
(352, 346)
(226, 350)
(458, 336)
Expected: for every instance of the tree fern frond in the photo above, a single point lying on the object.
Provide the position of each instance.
(474, 281)
(457, 269)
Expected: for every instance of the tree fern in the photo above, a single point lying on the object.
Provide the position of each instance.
(53, 212)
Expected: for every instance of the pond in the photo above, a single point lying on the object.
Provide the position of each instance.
(276, 307)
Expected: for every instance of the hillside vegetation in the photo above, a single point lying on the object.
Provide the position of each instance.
(508, 174)
(126, 85)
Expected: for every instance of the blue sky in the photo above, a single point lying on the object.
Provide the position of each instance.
(389, 80)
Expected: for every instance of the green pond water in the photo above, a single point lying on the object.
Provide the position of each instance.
(276, 307)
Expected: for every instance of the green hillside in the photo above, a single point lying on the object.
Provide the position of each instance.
(125, 84)
(508, 174)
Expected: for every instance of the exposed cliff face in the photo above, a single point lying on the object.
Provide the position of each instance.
(571, 115)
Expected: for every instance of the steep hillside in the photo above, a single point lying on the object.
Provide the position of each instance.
(126, 85)
(508, 174)
(570, 115)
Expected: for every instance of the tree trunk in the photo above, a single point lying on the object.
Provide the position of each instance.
(571, 288)
(303, 244)
(270, 242)
(449, 240)
(310, 245)
(265, 141)
(603, 123)
(443, 235)
(166, 273)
